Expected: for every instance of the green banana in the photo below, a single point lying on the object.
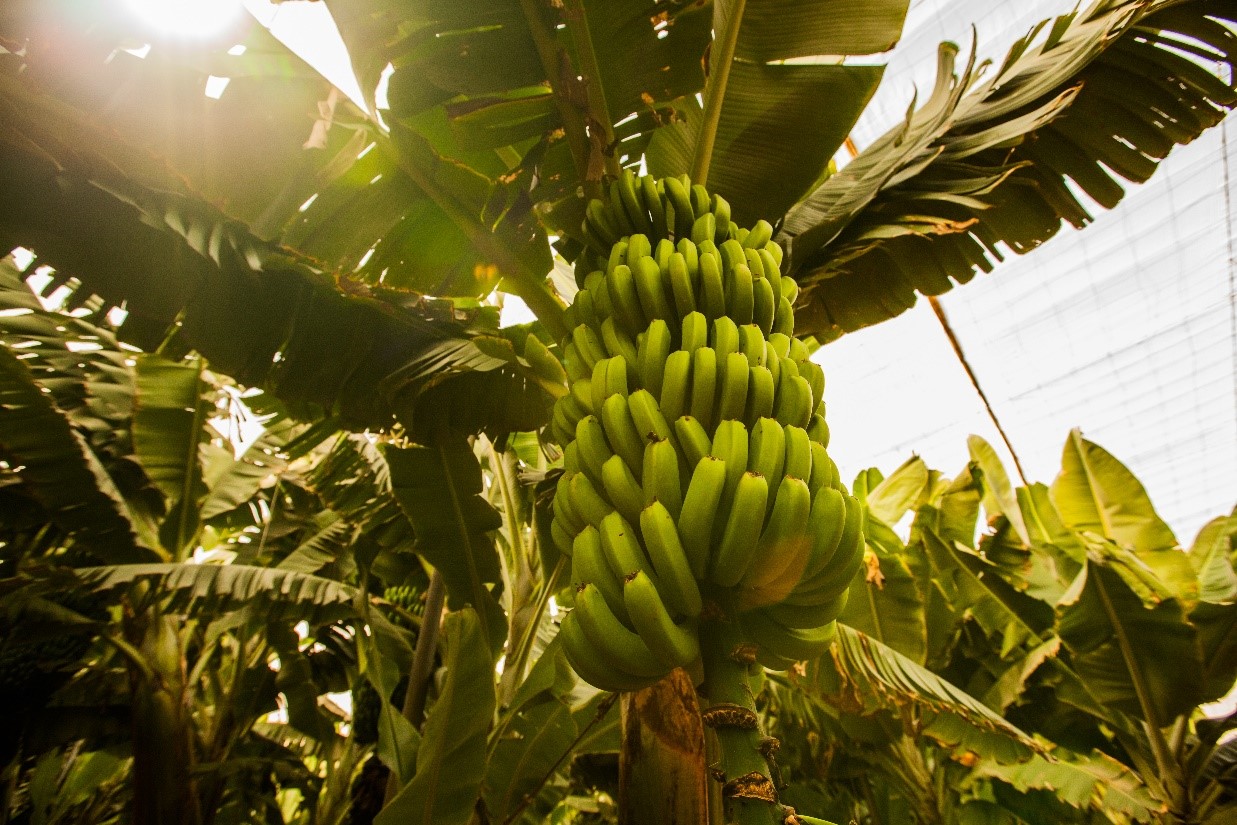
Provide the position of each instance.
(618, 256)
(725, 338)
(783, 549)
(583, 498)
(712, 297)
(652, 355)
(599, 386)
(662, 253)
(776, 251)
(772, 266)
(571, 458)
(781, 345)
(732, 399)
(693, 439)
(741, 535)
(649, 421)
(704, 385)
(674, 645)
(650, 289)
(846, 561)
(798, 351)
(794, 399)
(773, 362)
(784, 318)
(591, 665)
(622, 488)
(789, 289)
(701, 201)
(815, 376)
(621, 432)
(756, 264)
(622, 648)
(704, 228)
(820, 464)
(589, 566)
(752, 344)
(594, 449)
(730, 445)
(808, 617)
(798, 461)
(700, 506)
(559, 428)
(582, 392)
(621, 285)
(650, 197)
(732, 255)
(562, 538)
(681, 285)
(636, 214)
(760, 395)
(788, 643)
(766, 452)
(691, 256)
(618, 343)
(695, 332)
(676, 385)
(661, 476)
(741, 296)
(564, 513)
(680, 202)
(638, 246)
(588, 345)
(764, 305)
(721, 208)
(825, 525)
(759, 235)
(621, 546)
(661, 539)
(618, 214)
(598, 226)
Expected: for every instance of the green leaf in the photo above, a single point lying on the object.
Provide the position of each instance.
(439, 488)
(995, 162)
(536, 733)
(1211, 556)
(999, 496)
(1095, 781)
(1217, 639)
(1137, 654)
(862, 676)
(451, 759)
(1095, 493)
(885, 602)
(170, 409)
(899, 491)
(62, 472)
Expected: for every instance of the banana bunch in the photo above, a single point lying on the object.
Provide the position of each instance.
(695, 467)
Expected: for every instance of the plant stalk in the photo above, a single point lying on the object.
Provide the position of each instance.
(715, 93)
(422, 664)
(744, 770)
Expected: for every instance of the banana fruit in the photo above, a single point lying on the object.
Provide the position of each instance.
(697, 481)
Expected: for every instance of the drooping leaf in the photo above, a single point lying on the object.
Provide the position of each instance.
(439, 488)
(999, 496)
(1095, 781)
(1211, 556)
(39, 443)
(862, 676)
(450, 762)
(899, 491)
(987, 164)
(1132, 646)
(1095, 493)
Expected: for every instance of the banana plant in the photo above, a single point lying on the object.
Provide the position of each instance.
(345, 278)
(1073, 617)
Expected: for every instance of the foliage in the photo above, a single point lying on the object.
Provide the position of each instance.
(184, 609)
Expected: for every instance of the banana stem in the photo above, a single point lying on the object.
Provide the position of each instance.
(748, 791)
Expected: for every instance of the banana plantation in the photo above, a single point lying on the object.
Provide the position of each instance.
(293, 529)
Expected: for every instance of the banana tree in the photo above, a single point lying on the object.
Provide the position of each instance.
(345, 278)
(1073, 615)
